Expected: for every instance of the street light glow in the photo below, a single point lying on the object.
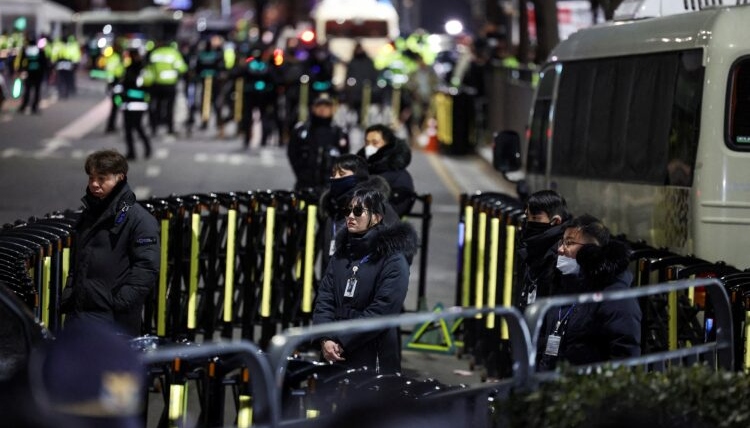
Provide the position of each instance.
(454, 27)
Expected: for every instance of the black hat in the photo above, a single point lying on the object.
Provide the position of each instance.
(323, 99)
(90, 377)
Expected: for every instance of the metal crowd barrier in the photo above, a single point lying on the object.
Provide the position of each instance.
(213, 368)
(311, 392)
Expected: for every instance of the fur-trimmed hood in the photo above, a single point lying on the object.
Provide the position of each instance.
(391, 157)
(601, 266)
(379, 242)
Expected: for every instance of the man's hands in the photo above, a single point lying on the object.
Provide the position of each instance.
(331, 350)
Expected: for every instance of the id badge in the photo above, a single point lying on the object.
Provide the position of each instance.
(351, 285)
(553, 345)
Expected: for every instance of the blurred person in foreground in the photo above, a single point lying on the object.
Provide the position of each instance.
(368, 276)
(590, 260)
(88, 377)
(117, 249)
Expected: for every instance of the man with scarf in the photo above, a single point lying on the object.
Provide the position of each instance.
(547, 216)
(116, 259)
(313, 146)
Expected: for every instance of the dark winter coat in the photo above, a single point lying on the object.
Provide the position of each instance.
(312, 147)
(382, 282)
(390, 162)
(537, 257)
(116, 261)
(361, 69)
(596, 332)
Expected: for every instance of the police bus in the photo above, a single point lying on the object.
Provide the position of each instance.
(645, 123)
(342, 23)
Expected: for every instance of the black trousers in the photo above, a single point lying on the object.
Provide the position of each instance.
(162, 107)
(134, 122)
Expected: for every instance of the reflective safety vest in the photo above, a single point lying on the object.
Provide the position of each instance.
(72, 51)
(166, 64)
(114, 67)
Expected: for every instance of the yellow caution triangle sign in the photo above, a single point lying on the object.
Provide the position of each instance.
(433, 336)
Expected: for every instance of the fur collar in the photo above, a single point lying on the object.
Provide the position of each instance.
(380, 241)
(391, 157)
(601, 266)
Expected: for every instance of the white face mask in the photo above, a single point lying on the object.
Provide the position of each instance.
(567, 266)
(370, 150)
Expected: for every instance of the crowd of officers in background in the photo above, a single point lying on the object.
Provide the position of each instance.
(226, 79)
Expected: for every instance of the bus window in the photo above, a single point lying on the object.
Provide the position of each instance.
(738, 126)
(629, 119)
(538, 132)
(356, 28)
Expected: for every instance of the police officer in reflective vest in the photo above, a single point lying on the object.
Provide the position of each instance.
(135, 103)
(33, 67)
(115, 69)
(165, 65)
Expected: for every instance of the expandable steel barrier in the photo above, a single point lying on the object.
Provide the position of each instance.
(34, 262)
(235, 263)
(487, 236)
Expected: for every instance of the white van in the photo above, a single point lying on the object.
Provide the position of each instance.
(646, 124)
(342, 23)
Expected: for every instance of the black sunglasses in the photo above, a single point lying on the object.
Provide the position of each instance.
(358, 210)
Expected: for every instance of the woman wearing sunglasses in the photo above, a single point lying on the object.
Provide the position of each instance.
(368, 276)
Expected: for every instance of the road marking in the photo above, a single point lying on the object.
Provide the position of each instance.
(161, 153)
(153, 171)
(8, 153)
(86, 123)
(444, 174)
(50, 147)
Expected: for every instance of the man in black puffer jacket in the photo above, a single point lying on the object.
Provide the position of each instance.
(116, 249)
(591, 261)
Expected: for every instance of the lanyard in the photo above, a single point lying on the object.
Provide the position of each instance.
(562, 321)
(355, 268)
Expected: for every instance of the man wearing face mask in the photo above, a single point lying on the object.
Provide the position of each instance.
(313, 146)
(590, 260)
(547, 216)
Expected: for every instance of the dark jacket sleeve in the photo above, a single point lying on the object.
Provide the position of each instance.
(402, 190)
(620, 321)
(299, 152)
(144, 254)
(325, 301)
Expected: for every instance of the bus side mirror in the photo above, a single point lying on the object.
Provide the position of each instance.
(506, 151)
